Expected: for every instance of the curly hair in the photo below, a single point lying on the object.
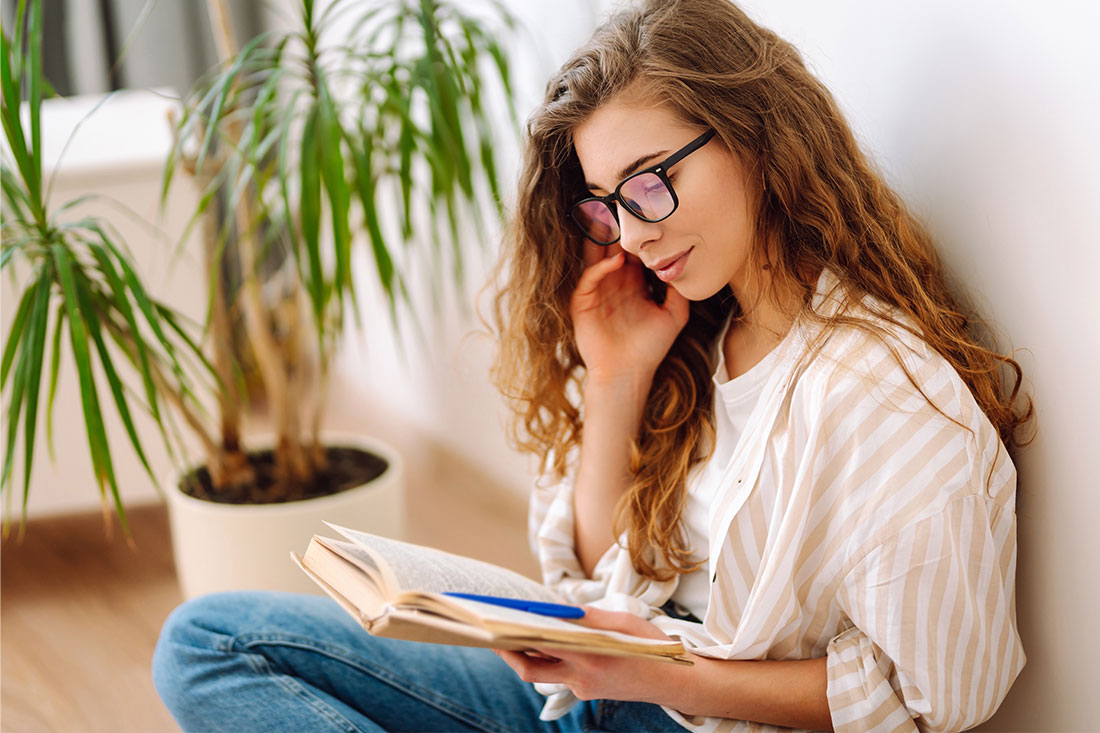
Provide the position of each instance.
(821, 205)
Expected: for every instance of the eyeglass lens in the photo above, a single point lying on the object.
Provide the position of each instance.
(646, 195)
(597, 220)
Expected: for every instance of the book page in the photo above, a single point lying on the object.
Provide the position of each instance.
(424, 568)
(350, 571)
(373, 567)
(328, 589)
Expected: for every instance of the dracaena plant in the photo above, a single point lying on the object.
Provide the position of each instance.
(365, 124)
(78, 289)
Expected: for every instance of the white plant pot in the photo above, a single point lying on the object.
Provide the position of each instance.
(247, 546)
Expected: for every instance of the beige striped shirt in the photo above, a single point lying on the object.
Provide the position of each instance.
(855, 521)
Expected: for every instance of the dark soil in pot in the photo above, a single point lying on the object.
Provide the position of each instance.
(346, 469)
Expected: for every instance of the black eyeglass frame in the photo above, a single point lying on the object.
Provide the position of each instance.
(661, 171)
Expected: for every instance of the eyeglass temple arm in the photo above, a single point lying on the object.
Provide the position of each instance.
(689, 148)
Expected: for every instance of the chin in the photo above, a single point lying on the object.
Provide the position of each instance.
(694, 290)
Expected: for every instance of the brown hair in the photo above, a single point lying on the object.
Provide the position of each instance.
(822, 205)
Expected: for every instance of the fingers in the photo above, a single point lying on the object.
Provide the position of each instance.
(626, 623)
(532, 666)
(593, 253)
(677, 305)
(598, 618)
(592, 275)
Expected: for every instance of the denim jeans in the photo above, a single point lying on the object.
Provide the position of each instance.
(254, 660)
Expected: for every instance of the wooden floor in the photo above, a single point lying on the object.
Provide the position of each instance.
(80, 614)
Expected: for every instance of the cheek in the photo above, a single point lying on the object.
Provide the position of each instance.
(723, 227)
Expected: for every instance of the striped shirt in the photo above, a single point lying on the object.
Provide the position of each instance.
(855, 521)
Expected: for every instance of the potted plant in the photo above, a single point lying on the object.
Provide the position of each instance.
(304, 145)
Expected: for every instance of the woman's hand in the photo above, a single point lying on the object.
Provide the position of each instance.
(600, 676)
(622, 334)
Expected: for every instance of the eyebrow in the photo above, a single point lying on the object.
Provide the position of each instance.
(626, 171)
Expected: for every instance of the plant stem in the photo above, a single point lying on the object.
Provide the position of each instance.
(272, 367)
(315, 449)
(229, 400)
(291, 461)
(222, 24)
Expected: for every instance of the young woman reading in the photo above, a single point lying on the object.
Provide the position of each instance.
(767, 428)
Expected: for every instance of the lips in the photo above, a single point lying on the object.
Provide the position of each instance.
(669, 269)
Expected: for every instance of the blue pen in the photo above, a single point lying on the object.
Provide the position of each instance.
(542, 608)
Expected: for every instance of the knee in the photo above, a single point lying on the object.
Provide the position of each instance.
(193, 641)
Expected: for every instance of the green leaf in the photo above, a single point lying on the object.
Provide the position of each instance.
(208, 196)
(185, 128)
(91, 319)
(15, 334)
(284, 173)
(93, 417)
(36, 343)
(121, 302)
(12, 122)
(310, 212)
(20, 25)
(172, 318)
(19, 384)
(34, 84)
(339, 196)
(450, 207)
(15, 409)
(364, 180)
(505, 75)
(225, 85)
(406, 146)
(144, 303)
(55, 367)
(152, 315)
(19, 206)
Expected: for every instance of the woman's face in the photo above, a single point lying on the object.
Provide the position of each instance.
(705, 243)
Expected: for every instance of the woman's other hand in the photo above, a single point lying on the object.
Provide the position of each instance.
(600, 676)
(621, 332)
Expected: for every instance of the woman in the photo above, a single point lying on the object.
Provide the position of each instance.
(767, 427)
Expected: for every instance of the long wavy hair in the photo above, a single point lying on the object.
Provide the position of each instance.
(820, 205)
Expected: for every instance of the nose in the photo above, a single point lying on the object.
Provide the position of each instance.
(635, 234)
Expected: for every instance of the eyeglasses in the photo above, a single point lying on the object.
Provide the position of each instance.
(647, 194)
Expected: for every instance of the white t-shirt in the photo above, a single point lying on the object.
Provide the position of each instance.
(734, 400)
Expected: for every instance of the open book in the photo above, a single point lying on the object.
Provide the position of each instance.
(395, 589)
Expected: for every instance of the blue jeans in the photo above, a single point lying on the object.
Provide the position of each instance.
(262, 661)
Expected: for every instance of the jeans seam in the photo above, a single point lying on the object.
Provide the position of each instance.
(443, 704)
(262, 666)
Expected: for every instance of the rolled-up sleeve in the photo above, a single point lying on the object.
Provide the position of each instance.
(550, 529)
(933, 644)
